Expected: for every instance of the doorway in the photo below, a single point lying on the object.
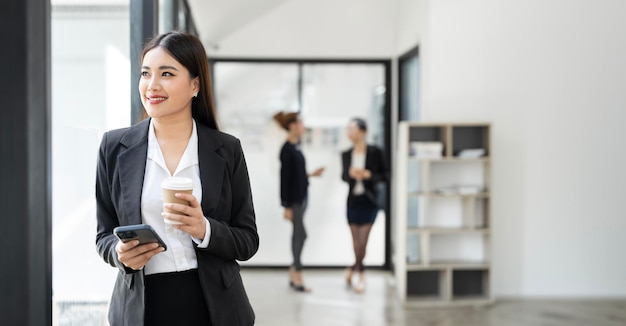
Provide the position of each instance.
(327, 94)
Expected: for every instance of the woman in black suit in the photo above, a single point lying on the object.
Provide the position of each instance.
(363, 168)
(196, 281)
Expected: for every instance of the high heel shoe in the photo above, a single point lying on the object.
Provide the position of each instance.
(300, 288)
(348, 276)
(360, 287)
(292, 276)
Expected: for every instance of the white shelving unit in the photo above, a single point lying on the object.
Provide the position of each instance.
(442, 225)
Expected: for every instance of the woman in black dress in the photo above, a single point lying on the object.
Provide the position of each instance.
(363, 168)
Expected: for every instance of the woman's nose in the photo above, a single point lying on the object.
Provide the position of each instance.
(153, 84)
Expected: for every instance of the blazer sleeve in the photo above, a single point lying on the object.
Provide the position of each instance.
(379, 170)
(106, 214)
(238, 239)
(286, 177)
(346, 161)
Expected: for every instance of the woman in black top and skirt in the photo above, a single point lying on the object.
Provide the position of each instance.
(363, 168)
(294, 183)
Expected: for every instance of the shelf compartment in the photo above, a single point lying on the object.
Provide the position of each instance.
(429, 210)
(427, 133)
(430, 133)
(470, 137)
(433, 176)
(427, 284)
(451, 176)
(465, 248)
(470, 284)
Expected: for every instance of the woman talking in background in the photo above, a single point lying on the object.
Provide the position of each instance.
(363, 168)
(294, 185)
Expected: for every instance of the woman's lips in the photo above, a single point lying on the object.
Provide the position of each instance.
(156, 99)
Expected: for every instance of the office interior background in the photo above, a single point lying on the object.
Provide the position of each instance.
(549, 77)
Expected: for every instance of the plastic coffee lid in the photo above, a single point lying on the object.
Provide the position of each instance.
(177, 183)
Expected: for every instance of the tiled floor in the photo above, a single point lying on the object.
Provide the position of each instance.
(331, 303)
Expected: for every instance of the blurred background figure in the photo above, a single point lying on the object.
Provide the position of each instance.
(294, 183)
(363, 168)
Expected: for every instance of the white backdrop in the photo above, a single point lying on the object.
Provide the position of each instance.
(550, 76)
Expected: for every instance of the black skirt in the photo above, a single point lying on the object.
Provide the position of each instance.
(175, 299)
(362, 211)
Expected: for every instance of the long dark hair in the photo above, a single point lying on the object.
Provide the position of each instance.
(188, 51)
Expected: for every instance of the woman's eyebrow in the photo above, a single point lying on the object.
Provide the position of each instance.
(161, 68)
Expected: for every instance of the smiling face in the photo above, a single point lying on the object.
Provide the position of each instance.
(165, 86)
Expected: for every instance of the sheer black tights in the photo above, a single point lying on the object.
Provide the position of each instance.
(360, 235)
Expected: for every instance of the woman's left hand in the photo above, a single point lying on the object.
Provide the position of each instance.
(367, 174)
(318, 172)
(193, 219)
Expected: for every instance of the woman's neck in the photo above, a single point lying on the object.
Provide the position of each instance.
(360, 146)
(293, 138)
(173, 128)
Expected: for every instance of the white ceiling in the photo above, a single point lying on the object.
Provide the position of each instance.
(216, 19)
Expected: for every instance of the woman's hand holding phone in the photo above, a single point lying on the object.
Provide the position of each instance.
(136, 256)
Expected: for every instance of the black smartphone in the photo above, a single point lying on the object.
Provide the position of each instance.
(142, 232)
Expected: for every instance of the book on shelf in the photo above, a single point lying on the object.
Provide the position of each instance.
(426, 150)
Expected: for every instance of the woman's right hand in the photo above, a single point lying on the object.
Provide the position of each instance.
(356, 174)
(288, 214)
(136, 256)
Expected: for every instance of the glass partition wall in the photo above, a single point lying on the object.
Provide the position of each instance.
(327, 94)
(91, 92)
(90, 95)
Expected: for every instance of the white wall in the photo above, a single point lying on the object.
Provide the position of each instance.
(407, 25)
(325, 29)
(550, 76)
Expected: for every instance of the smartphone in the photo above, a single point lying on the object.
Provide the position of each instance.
(142, 232)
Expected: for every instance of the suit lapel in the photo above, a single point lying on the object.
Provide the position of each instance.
(212, 168)
(132, 166)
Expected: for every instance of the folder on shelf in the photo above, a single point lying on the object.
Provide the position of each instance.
(472, 153)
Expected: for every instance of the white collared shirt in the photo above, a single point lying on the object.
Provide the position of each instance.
(180, 254)
(358, 162)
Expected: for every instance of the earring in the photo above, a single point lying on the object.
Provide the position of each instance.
(195, 94)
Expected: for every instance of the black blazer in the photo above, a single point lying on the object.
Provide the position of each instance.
(294, 182)
(226, 200)
(375, 162)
